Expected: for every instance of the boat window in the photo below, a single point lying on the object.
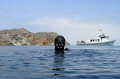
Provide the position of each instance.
(90, 40)
(102, 37)
(98, 40)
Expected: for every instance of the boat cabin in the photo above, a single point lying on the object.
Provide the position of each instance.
(102, 37)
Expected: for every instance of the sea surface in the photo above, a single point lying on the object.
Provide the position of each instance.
(40, 62)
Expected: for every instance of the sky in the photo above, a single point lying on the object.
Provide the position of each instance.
(73, 19)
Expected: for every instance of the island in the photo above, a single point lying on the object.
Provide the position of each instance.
(24, 37)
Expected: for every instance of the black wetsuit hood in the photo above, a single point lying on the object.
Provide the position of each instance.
(59, 43)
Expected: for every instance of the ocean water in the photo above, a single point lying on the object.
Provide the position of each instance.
(40, 62)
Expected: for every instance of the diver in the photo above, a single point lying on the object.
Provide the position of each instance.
(59, 45)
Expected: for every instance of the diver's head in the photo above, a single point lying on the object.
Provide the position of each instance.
(59, 43)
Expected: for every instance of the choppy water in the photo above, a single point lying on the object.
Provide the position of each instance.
(40, 62)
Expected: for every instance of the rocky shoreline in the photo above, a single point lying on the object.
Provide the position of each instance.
(24, 37)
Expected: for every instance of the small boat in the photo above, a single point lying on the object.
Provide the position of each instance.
(102, 40)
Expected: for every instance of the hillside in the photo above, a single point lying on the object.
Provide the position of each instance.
(24, 37)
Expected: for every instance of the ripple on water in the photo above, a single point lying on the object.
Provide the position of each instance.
(31, 62)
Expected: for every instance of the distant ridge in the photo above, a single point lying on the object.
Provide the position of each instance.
(13, 31)
(24, 37)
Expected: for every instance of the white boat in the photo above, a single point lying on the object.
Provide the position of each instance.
(102, 40)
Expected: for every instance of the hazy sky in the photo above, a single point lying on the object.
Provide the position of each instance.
(74, 19)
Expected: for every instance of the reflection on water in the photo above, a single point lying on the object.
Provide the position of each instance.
(58, 58)
(41, 62)
(58, 63)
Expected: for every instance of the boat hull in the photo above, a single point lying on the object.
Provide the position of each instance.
(109, 43)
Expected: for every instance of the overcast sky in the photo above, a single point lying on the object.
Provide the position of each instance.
(74, 19)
